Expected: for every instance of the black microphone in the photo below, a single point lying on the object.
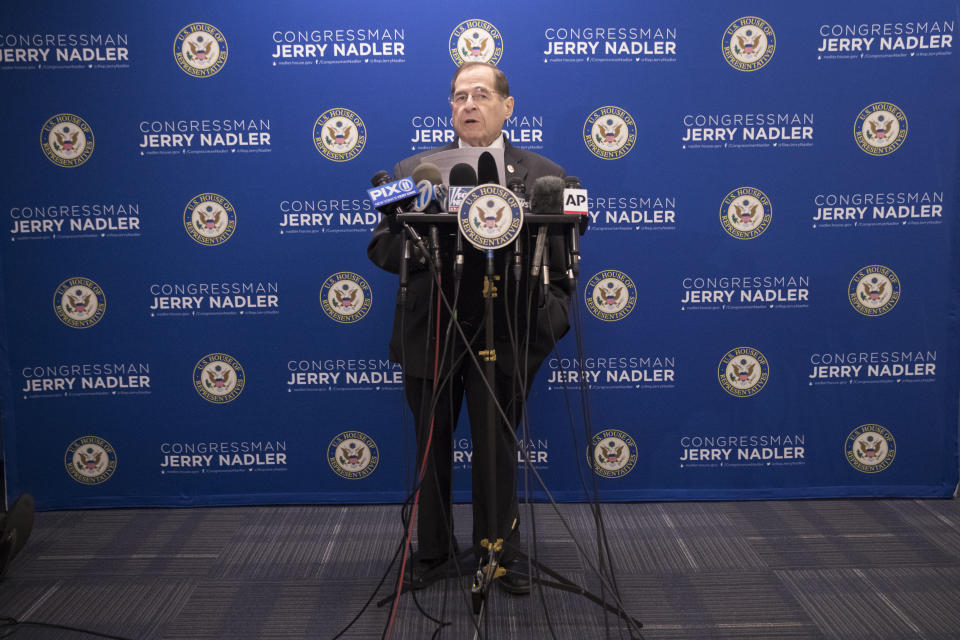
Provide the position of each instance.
(463, 177)
(547, 198)
(576, 190)
(547, 195)
(487, 169)
(519, 189)
(572, 190)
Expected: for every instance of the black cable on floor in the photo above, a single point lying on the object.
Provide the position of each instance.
(10, 625)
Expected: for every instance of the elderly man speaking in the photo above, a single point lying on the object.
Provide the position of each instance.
(480, 102)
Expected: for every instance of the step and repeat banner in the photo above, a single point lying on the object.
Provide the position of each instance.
(768, 292)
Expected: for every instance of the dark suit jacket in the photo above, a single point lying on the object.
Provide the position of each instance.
(409, 341)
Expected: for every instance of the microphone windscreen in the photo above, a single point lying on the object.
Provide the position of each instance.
(487, 169)
(463, 175)
(427, 171)
(547, 196)
(425, 195)
(380, 178)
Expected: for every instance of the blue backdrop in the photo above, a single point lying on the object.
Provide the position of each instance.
(768, 294)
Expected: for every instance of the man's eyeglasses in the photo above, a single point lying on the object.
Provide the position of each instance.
(480, 96)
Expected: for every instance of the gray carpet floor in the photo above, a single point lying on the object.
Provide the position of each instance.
(783, 569)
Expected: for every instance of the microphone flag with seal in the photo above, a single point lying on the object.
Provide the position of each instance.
(490, 217)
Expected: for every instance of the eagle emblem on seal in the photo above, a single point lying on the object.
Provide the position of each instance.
(66, 143)
(611, 454)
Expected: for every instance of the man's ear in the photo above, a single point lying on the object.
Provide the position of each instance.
(508, 103)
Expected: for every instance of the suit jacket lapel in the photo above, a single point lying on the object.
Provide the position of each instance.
(515, 167)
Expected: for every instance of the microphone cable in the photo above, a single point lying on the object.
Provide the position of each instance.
(540, 481)
(9, 626)
(603, 546)
(423, 464)
(435, 397)
(606, 581)
(521, 352)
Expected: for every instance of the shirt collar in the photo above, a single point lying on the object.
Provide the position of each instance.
(496, 144)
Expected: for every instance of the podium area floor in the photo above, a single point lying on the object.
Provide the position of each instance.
(781, 569)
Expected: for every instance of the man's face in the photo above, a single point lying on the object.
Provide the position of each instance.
(479, 124)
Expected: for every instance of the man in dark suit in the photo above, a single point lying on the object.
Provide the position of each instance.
(481, 102)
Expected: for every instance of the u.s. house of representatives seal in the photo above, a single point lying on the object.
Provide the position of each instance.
(880, 128)
(353, 455)
(743, 372)
(346, 297)
(200, 49)
(67, 140)
(90, 460)
(612, 453)
(870, 448)
(218, 378)
(874, 290)
(476, 41)
(610, 295)
(609, 132)
(210, 219)
(746, 213)
(339, 134)
(490, 217)
(748, 43)
(79, 302)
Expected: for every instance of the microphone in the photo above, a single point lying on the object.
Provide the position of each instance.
(463, 177)
(487, 169)
(427, 175)
(575, 203)
(547, 195)
(547, 198)
(428, 179)
(425, 195)
(404, 271)
(390, 198)
(519, 189)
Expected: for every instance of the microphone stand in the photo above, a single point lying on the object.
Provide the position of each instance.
(489, 568)
(492, 544)
(404, 270)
